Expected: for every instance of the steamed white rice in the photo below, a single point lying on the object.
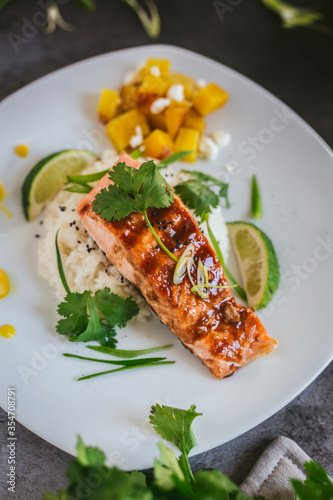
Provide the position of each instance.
(85, 265)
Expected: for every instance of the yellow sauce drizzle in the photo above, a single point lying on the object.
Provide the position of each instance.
(4, 284)
(3, 195)
(7, 331)
(22, 150)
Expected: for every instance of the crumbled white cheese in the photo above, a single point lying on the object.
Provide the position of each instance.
(137, 139)
(129, 77)
(201, 83)
(155, 71)
(142, 148)
(159, 105)
(208, 148)
(176, 93)
(222, 139)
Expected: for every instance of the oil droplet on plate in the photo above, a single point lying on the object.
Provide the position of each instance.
(22, 150)
(3, 195)
(4, 284)
(7, 331)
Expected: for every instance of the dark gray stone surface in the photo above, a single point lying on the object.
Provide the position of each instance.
(296, 65)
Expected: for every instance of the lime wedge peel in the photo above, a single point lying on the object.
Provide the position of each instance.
(257, 261)
(49, 175)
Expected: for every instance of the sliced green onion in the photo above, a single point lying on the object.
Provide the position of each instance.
(126, 353)
(136, 154)
(194, 289)
(127, 368)
(181, 267)
(83, 179)
(256, 203)
(87, 5)
(60, 268)
(152, 24)
(172, 159)
(79, 188)
(124, 362)
(202, 280)
(293, 16)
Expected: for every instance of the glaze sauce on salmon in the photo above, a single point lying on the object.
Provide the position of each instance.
(221, 333)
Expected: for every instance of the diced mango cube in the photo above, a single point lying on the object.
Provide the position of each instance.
(188, 140)
(152, 85)
(175, 116)
(162, 64)
(209, 98)
(108, 103)
(122, 128)
(158, 144)
(188, 83)
(129, 96)
(194, 120)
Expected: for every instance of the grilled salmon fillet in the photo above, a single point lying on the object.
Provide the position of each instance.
(221, 333)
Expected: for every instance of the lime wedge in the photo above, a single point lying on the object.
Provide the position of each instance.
(257, 261)
(49, 175)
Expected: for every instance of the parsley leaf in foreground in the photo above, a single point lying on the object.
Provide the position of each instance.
(83, 311)
(174, 425)
(134, 190)
(317, 485)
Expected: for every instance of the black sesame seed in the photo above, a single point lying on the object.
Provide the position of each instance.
(172, 250)
(171, 175)
(106, 271)
(122, 279)
(37, 235)
(153, 224)
(41, 222)
(76, 228)
(74, 222)
(178, 241)
(153, 213)
(186, 243)
(178, 245)
(159, 228)
(165, 227)
(79, 242)
(158, 222)
(157, 246)
(85, 231)
(71, 223)
(164, 221)
(73, 209)
(170, 222)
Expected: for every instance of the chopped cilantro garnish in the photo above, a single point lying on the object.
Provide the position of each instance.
(134, 190)
(83, 321)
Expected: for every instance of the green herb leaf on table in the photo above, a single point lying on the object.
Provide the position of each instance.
(89, 456)
(174, 425)
(317, 485)
(82, 319)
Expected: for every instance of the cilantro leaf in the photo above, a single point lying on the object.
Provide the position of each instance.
(134, 190)
(174, 425)
(211, 181)
(197, 196)
(89, 456)
(82, 316)
(317, 486)
(212, 484)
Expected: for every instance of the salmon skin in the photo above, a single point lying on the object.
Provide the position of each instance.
(221, 333)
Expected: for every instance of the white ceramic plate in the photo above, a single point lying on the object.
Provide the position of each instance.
(294, 168)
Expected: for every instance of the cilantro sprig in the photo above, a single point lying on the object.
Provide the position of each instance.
(172, 477)
(134, 190)
(198, 194)
(88, 316)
